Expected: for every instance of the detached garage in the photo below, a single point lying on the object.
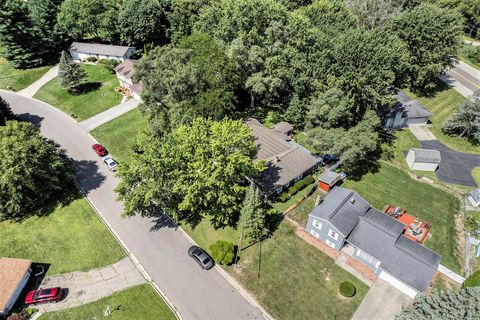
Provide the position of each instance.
(423, 159)
(14, 274)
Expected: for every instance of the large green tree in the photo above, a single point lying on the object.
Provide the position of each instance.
(197, 170)
(89, 18)
(33, 170)
(465, 122)
(449, 305)
(375, 13)
(193, 79)
(17, 35)
(433, 36)
(143, 21)
(5, 112)
(182, 16)
(72, 76)
(253, 216)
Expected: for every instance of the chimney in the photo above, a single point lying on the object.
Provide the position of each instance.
(352, 200)
(277, 159)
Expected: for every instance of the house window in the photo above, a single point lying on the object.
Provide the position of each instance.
(314, 233)
(298, 178)
(317, 224)
(330, 243)
(333, 234)
(368, 258)
(279, 190)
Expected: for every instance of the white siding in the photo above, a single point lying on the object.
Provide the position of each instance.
(82, 55)
(16, 294)
(136, 96)
(410, 158)
(398, 284)
(421, 166)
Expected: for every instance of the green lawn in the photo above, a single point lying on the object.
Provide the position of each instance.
(68, 238)
(476, 175)
(281, 207)
(140, 302)
(404, 141)
(471, 62)
(300, 213)
(392, 186)
(297, 281)
(85, 105)
(118, 135)
(18, 79)
(443, 104)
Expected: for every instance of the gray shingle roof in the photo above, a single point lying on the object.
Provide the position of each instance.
(286, 160)
(283, 127)
(137, 87)
(126, 68)
(415, 109)
(342, 207)
(97, 48)
(475, 194)
(426, 155)
(328, 177)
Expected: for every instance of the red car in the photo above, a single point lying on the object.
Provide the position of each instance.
(99, 149)
(44, 295)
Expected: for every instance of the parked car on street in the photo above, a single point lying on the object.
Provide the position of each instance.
(44, 295)
(99, 150)
(111, 164)
(201, 257)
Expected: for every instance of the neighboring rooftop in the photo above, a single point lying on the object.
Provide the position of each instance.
(12, 272)
(283, 127)
(136, 87)
(329, 177)
(98, 48)
(126, 68)
(475, 194)
(415, 109)
(426, 155)
(284, 158)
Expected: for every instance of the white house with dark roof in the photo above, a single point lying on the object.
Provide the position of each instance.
(344, 217)
(84, 50)
(405, 112)
(423, 159)
(286, 161)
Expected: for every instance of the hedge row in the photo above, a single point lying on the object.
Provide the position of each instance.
(298, 186)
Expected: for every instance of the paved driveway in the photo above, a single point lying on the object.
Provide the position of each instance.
(455, 167)
(157, 244)
(382, 302)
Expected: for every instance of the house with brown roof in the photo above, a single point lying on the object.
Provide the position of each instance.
(125, 72)
(14, 274)
(286, 161)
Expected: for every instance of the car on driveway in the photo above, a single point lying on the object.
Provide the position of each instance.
(44, 295)
(111, 164)
(99, 150)
(201, 257)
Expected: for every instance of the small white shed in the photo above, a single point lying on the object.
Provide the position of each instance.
(474, 198)
(83, 50)
(423, 159)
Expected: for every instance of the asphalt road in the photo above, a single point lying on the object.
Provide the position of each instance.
(455, 167)
(156, 243)
(463, 78)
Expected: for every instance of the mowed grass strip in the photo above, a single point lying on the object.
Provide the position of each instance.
(476, 175)
(140, 302)
(297, 281)
(118, 135)
(392, 186)
(82, 106)
(443, 104)
(70, 238)
(19, 79)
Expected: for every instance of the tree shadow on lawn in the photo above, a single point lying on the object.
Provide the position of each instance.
(88, 176)
(86, 88)
(438, 87)
(28, 117)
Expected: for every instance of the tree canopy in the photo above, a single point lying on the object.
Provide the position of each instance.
(465, 122)
(195, 171)
(72, 76)
(5, 112)
(33, 170)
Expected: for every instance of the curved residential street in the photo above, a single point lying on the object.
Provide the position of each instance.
(159, 247)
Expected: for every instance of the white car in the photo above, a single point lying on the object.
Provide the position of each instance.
(111, 164)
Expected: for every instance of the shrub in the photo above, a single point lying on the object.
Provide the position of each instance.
(222, 252)
(309, 180)
(283, 197)
(292, 190)
(91, 59)
(473, 280)
(347, 289)
(110, 64)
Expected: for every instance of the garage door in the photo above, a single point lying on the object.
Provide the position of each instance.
(397, 284)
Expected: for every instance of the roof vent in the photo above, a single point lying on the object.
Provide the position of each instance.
(352, 200)
(277, 159)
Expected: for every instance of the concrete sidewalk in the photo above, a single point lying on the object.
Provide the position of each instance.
(34, 87)
(108, 115)
(85, 287)
(450, 274)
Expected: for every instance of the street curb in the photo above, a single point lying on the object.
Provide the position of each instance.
(139, 266)
(229, 278)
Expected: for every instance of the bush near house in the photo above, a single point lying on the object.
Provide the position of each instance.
(109, 64)
(297, 186)
(473, 280)
(222, 252)
(347, 289)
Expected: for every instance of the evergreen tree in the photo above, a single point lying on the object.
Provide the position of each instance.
(253, 216)
(5, 112)
(17, 35)
(451, 305)
(72, 76)
(465, 122)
